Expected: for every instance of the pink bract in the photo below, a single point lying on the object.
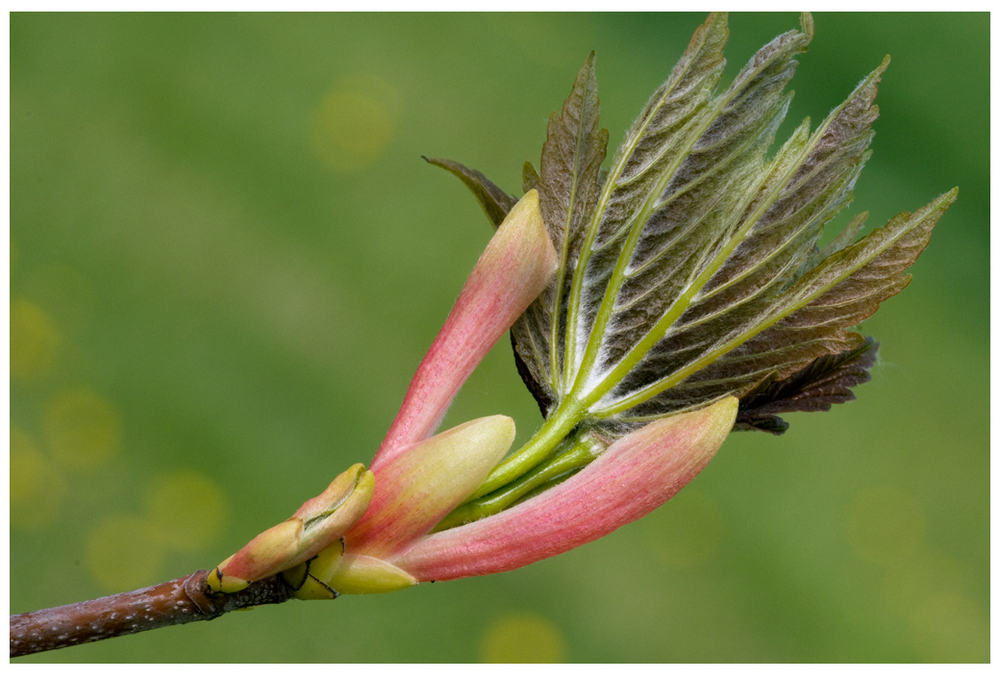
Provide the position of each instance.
(634, 476)
(510, 274)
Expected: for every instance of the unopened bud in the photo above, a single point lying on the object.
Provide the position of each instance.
(320, 522)
(332, 573)
(417, 489)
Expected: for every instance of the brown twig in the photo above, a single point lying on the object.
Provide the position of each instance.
(182, 600)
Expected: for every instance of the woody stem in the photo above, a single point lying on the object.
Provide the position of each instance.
(182, 600)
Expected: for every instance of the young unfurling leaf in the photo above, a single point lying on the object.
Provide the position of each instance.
(826, 381)
(495, 202)
(689, 269)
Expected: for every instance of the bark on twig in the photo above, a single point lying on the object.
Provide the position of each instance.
(182, 600)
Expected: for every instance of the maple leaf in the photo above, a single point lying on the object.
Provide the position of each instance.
(689, 269)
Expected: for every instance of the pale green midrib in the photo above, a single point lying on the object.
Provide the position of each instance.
(576, 289)
(748, 299)
(703, 177)
(554, 368)
(791, 264)
(671, 380)
(604, 311)
(639, 299)
(720, 381)
(771, 368)
(659, 416)
(665, 250)
(653, 291)
(699, 180)
(629, 224)
(684, 301)
(569, 412)
(635, 229)
(685, 133)
(828, 197)
(640, 173)
(836, 156)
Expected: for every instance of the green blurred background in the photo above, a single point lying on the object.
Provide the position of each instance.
(227, 258)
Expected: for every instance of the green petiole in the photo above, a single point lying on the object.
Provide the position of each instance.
(573, 454)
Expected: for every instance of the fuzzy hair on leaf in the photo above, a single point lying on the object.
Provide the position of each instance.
(689, 268)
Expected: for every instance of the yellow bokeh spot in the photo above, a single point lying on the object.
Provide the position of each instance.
(81, 428)
(905, 585)
(949, 628)
(355, 123)
(36, 487)
(124, 552)
(523, 638)
(687, 533)
(34, 341)
(62, 290)
(945, 624)
(885, 526)
(188, 509)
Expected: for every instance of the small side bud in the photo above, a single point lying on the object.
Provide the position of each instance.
(306, 579)
(367, 575)
(320, 522)
(217, 583)
(328, 516)
(332, 573)
(260, 558)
